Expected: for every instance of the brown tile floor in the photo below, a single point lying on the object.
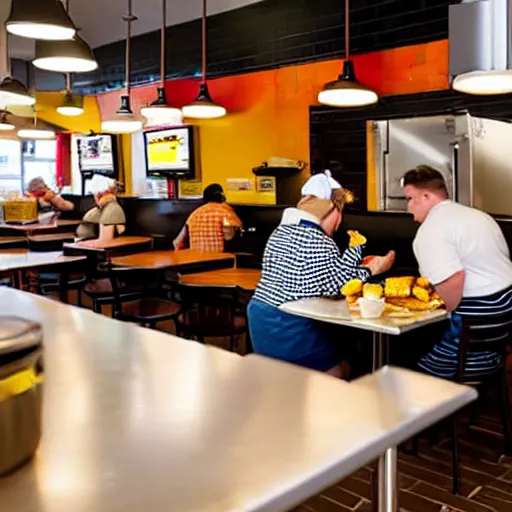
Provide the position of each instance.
(425, 480)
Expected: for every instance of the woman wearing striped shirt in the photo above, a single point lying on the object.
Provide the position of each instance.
(300, 261)
(463, 253)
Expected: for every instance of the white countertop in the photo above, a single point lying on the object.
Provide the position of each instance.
(17, 259)
(138, 420)
(337, 312)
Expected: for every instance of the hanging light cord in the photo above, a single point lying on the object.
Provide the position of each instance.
(203, 37)
(162, 42)
(68, 75)
(129, 18)
(347, 29)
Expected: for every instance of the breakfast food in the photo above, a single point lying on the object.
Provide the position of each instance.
(398, 286)
(352, 287)
(420, 293)
(372, 291)
(422, 282)
(413, 304)
(356, 239)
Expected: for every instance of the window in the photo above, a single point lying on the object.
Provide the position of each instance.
(22, 161)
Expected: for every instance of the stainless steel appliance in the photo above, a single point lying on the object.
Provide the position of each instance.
(473, 154)
(21, 378)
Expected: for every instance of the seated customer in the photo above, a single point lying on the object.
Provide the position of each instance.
(47, 200)
(106, 220)
(211, 224)
(463, 253)
(300, 261)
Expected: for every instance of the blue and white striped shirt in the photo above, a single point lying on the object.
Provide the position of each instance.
(301, 261)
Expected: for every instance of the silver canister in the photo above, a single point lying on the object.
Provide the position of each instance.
(21, 391)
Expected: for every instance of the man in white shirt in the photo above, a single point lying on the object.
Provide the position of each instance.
(463, 253)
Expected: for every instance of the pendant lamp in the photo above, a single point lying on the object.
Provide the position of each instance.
(34, 132)
(5, 126)
(160, 109)
(40, 19)
(346, 91)
(72, 105)
(124, 120)
(12, 91)
(203, 107)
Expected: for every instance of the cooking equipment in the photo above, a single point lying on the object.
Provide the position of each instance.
(21, 389)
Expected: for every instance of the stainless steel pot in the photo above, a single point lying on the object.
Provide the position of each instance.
(21, 391)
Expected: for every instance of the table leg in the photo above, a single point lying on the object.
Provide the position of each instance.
(387, 468)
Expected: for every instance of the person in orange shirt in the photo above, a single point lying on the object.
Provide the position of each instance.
(211, 224)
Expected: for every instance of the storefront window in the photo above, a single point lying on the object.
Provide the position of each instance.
(22, 161)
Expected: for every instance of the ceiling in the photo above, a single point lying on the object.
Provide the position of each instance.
(100, 20)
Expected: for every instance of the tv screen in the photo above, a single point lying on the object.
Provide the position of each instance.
(97, 153)
(170, 151)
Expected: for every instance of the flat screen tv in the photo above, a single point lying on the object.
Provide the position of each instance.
(97, 154)
(170, 152)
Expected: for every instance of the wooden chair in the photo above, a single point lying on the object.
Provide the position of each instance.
(210, 312)
(491, 333)
(142, 308)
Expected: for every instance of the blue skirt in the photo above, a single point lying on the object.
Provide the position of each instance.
(301, 341)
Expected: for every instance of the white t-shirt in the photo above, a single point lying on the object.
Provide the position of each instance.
(454, 237)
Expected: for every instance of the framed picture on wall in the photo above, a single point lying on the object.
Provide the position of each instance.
(265, 183)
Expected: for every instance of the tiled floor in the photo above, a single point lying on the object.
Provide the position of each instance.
(425, 480)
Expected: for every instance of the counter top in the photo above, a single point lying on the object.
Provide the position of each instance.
(137, 420)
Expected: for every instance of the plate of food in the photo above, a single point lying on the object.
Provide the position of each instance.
(404, 297)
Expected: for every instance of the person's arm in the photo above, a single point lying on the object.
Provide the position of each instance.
(232, 217)
(450, 290)
(61, 204)
(107, 234)
(179, 241)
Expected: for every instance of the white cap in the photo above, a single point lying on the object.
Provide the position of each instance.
(100, 184)
(320, 185)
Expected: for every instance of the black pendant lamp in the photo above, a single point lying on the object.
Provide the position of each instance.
(124, 120)
(203, 107)
(40, 19)
(346, 91)
(71, 106)
(160, 109)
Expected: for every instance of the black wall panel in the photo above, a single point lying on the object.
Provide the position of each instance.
(338, 136)
(271, 34)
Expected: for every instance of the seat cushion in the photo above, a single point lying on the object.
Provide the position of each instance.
(103, 288)
(151, 310)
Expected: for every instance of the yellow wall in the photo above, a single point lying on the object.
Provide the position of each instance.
(47, 103)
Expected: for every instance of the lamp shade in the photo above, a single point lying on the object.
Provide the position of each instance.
(71, 106)
(72, 56)
(34, 133)
(13, 92)
(124, 120)
(5, 126)
(346, 91)
(203, 107)
(484, 83)
(40, 19)
(159, 108)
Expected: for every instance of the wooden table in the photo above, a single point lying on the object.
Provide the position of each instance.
(117, 244)
(12, 240)
(19, 259)
(135, 419)
(337, 312)
(245, 278)
(27, 228)
(161, 260)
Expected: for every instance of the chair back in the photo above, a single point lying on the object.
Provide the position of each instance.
(208, 310)
(485, 334)
(120, 279)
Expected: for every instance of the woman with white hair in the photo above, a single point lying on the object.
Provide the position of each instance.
(300, 261)
(106, 220)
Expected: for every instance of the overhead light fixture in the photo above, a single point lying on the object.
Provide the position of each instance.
(71, 106)
(203, 107)
(160, 108)
(484, 83)
(346, 91)
(34, 133)
(73, 56)
(5, 126)
(40, 19)
(124, 120)
(13, 92)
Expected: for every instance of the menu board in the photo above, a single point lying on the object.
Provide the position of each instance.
(169, 150)
(96, 153)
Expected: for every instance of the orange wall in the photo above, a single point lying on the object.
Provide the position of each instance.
(268, 110)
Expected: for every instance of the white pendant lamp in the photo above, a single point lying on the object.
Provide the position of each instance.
(5, 126)
(203, 107)
(160, 109)
(124, 120)
(346, 91)
(34, 132)
(40, 19)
